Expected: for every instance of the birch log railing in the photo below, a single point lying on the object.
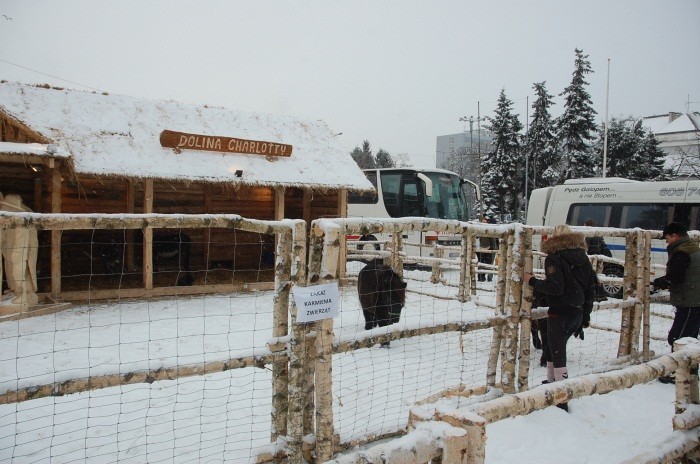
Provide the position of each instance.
(510, 348)
(290, 256)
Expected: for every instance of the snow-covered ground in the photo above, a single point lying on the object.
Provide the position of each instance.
(225, 417)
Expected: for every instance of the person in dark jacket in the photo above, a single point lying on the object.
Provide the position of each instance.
(596, 245)
(569, 286)
(682, 279)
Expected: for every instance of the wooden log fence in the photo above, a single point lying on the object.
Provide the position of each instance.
(301, 354)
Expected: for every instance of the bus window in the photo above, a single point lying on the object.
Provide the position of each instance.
(411, 204)
(598, 212)
(366, 198)
(645, 216)
(391, 185)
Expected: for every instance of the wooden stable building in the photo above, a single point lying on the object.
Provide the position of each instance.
(67, 151)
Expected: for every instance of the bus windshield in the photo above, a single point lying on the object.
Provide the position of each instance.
(404, 192)
(448, 200)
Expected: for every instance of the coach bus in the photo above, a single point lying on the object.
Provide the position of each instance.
(620, 203)
(420, 193)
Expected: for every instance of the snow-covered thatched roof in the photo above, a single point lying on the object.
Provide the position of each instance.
(118, 136)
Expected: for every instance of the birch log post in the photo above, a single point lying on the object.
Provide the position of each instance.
(472, 263)
(626, 322)
(644, 294)
(514, 276)
(686, 376)
(496, 341)
(464, 294)
(324, 349)
(280, 328)
(299, 378)
(525, 313)
(397, 253)
(439, 253)
(638, 288)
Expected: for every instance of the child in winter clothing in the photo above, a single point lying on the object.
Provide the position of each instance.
(569, 285)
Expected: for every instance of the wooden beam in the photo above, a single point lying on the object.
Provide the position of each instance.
(130, 209)
(342, 213)
(148, 236)
(56, 189)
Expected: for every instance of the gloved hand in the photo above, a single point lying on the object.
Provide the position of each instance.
(579, 332)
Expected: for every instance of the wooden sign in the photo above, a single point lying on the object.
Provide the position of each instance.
(184, 141)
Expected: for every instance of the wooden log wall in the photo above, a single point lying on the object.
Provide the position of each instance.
(213, 252)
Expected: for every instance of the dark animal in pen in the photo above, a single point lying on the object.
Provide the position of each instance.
(167, 249)
(382, 295)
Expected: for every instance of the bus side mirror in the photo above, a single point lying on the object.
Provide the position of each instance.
(428, 184)
(477, 190)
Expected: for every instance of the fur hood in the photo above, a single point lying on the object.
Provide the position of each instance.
(564, 242)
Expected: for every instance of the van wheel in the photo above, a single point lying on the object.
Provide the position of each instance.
(613, 290)
(368, 238)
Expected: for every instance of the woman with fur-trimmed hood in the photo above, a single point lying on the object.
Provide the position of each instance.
(569, 285)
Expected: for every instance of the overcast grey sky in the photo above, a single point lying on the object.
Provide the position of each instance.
(397, 73)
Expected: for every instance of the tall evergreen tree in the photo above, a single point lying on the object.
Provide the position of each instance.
(633, 152)
(576, 127)
(363, 156)
(502, 168)
(384, 159)
(540, 143)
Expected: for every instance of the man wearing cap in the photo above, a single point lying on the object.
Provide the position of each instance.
(683, 281)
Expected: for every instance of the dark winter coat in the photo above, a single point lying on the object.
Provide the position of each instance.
(597, 246)
(682, 273)
(382, 294)
(570, 280)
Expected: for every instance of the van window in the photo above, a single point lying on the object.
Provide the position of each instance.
(648, 217)
(598, 212)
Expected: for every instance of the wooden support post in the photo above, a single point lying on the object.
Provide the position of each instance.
(643, 292)
(502, 278)
(686, 379)
(324, 353)
(148, 236)
(456, 449)
(525, 313)
(280, 370)
(476, 437)
(638, 288)
(472, 264)
(438, 252)
(514, 274)
(396, 250)
(129, 262)
(342, 213)
(464, 292)
(626, 322)
(56, 187)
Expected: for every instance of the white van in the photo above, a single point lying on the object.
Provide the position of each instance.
(619, 203)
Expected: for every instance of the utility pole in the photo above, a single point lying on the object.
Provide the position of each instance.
(605, 140)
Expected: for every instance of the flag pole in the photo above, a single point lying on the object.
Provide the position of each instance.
(605, 141)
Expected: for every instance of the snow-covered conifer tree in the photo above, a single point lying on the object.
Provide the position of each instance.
(363, 156)
(633, 152)
(540, 143)
(576, 126)
(384, 159)
(503, 167)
